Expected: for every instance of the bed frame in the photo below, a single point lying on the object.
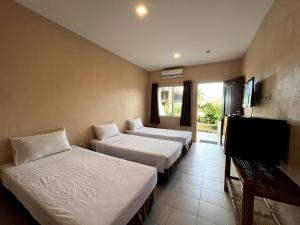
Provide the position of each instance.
(185, 148)
(140, 216)
(164, 177)
(17, 207)
(12, 205)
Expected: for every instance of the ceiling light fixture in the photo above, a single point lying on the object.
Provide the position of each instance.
(177, 55)
(141, 10)
(208, 51)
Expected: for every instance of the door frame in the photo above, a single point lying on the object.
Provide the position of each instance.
(196, 99)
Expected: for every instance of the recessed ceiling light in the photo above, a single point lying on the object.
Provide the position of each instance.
(177, 55)
(208, 51)
(141, 10)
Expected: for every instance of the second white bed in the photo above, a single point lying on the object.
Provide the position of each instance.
(160, 154)
(180, 136)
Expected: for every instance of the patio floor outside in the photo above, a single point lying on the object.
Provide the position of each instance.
(208, 137)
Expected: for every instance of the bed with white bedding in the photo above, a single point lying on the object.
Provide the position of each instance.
(78, 187)
(184, 137)
(160, 154)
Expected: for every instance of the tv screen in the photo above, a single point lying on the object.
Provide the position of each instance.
(258, 139)
(248, 93)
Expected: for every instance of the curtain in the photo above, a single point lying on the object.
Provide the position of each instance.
(186, 111)
(154, 117)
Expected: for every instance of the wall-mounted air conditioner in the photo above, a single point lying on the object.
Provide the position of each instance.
(173, 73)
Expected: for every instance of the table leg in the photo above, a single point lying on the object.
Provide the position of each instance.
(227, 172)
(247, 205)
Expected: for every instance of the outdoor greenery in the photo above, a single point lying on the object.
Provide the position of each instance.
(212, 113)
(209, 109)
(176, 109)
(167, 110)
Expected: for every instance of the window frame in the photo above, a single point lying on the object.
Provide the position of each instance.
(170, 86)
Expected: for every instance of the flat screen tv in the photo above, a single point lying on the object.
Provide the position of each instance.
(256, 139)
(248, 98)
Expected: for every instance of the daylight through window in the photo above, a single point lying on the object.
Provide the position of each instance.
(170, 100)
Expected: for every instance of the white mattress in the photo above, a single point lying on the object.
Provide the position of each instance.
(81, 187)
(160, 154)
(183, 137)
(5, 166)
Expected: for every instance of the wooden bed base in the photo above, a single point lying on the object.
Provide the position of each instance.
(14, 205)
(140, 216)
(164, 177)
(185, 148)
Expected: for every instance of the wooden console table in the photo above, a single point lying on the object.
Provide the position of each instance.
(257, 182)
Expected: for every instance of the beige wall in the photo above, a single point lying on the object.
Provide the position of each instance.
(213, 72)
(52, 78)
(274, 59)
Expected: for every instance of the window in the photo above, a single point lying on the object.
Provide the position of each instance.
(170, 100)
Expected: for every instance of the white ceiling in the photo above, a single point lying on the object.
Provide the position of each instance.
(226, 27)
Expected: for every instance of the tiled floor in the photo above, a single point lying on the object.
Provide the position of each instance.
(194, 195)
(210, 137)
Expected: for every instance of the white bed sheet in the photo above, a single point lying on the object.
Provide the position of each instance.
(183, 137)
(160, 154)
(81, 187)
(5, 166)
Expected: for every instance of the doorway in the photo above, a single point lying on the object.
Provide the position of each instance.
(209, 112)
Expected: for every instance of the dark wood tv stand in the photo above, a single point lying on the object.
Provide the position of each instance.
(257, 182)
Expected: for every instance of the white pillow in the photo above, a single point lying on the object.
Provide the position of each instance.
(105, 131)
(135, 124)
(27, 149)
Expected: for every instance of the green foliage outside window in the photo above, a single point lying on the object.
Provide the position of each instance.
(176, 109)
(212, 113)
(167, 110)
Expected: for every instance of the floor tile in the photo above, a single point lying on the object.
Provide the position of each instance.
(213, 168)
(165, 197)
(194, 194)
(195, 164)
(230, 218)
(176, 176)
(204, 222)
(212, 197)
(172, 185)
(159, 214)
(191, 190)
(194, 160)
(213, 185)
(191, 179)
(212, 213)
(149, 222)
(192, 170)
(187, 204)
(212, 175)
(228, 202)
(178, 217)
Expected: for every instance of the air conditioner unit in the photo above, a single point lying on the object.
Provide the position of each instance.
(174, 73)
